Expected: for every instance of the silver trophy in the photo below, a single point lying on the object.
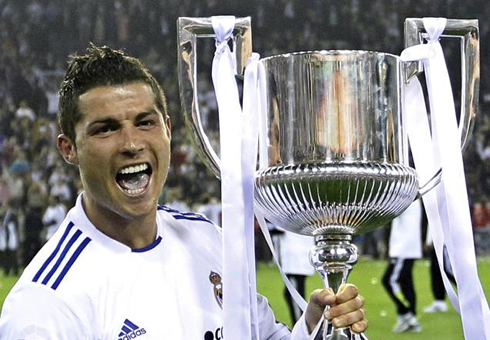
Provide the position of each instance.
(338, 150)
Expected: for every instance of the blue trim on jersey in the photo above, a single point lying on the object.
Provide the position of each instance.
(70, 262)
(62, 256)
(148, 247)
(54, 253)
(184, 216)
(66, 248)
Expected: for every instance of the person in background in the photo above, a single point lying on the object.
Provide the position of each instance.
(294, 252)
(9, 240)
(405, 246)
(211, 208)
(53, 216)
(437, 285)
(36, 203)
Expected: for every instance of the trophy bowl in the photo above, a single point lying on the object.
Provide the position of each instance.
(337, 149)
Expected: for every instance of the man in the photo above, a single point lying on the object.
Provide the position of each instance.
(293, 250)
(120, 266)
(53, 215)
(437, 284)
(9, 240)
(405, 246)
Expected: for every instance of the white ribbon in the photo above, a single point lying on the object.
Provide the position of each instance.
(255, 104)
(447, 205)
(252, 101)
(237, 208)
(239, 135)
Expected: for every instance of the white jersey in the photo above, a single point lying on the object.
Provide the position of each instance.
(85, 285)
(53, 218)
(8, 232)
(406, 233)
(294, 253)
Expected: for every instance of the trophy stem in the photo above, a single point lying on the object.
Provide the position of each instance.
(333, 257)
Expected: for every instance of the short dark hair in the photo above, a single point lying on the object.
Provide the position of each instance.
(101, 66)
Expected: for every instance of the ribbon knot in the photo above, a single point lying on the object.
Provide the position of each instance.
(221, 47)
(434, 27)
(223, 27)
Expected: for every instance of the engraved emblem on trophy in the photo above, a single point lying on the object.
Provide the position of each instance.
(337, 143)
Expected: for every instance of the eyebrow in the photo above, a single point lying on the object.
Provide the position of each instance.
(110, 120)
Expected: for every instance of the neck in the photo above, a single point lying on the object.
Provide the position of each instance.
(132, 231)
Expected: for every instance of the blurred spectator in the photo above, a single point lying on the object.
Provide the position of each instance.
(9, 240)
(211, 208)
(61, 189)
(405, 247)
(174, 199)
(4, 191)
(294, 250)
(437, 285)
(33, 225)
(25, 111)
(53, 216)
(17, 189)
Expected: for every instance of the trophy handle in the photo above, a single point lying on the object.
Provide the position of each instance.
(189, 29)
(467, 32)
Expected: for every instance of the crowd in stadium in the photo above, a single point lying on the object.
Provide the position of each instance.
(36, 36)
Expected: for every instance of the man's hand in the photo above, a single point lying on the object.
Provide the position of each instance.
(346, 308)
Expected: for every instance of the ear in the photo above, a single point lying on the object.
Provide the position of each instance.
(67, 149)
(169, 127)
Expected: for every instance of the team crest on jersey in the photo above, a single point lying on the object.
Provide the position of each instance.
(215, 279)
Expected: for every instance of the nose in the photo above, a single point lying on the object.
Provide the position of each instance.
(130, 143)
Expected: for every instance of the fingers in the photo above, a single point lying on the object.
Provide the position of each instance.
(346, 308)
(318, 300)
(346, 292)
(347, 311)
(359, 326)
(350, 306)
(322, 297)
(355, 320)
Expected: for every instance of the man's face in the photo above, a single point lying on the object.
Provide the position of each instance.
(122, 150)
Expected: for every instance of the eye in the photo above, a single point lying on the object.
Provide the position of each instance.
(146, 123)
(104, 129)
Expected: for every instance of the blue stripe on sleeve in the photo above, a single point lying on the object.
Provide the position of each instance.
(70, 262)
(53, 254)
(62, 256)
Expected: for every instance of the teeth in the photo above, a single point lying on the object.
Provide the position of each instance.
(134, 169)
(134, 191)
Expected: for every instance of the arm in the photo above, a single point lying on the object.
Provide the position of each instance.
(34, 313)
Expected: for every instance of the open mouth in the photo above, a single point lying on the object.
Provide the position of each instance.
(134, 179)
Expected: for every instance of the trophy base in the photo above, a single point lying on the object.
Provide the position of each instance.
(335, 197)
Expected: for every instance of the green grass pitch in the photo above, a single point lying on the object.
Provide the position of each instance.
(380, 310)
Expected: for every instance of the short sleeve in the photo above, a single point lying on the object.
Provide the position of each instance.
(35, 313)
(269, 327)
